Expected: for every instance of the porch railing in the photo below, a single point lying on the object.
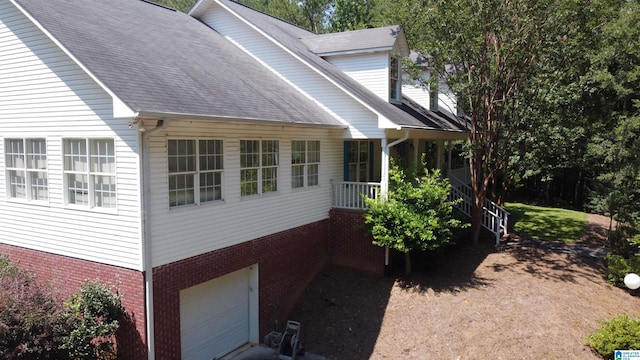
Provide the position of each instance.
(349, 195)
(494, 217)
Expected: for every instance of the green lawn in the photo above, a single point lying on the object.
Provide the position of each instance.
(544, 223)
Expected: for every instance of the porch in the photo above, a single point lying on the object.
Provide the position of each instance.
(350, 195)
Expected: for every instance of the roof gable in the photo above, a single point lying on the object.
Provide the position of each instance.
(158, 60)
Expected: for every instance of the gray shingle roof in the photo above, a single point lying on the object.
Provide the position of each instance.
(159, 60)
(279, 31)
(353, 41)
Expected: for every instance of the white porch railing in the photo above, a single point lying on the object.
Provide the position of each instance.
(348, 195)
(494, 218)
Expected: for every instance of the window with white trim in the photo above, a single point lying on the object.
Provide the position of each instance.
(359, 161)
(259, 160)
(394, 79)
(27, 176)
(305, 163)
(195, 171)
(90, 172)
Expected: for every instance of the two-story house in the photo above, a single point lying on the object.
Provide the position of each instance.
(207, 164)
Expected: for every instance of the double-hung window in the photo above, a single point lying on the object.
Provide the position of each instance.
(259, 161)
(27, 176)
(305, 163)
(195, 171)
(90, 172)
(394, 79)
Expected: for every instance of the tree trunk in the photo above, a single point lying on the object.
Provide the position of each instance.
(476, 224)
(407, 263)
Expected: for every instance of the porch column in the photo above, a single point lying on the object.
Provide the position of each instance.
(449, 146)
(439, 150)
(384, 168)
(416, 153)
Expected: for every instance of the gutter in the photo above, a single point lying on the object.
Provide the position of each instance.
(145, 195)
(384, 186)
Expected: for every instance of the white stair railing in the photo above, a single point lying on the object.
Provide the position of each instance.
(494, 218)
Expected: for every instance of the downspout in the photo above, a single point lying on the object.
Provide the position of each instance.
(146, 230)
(384, 184)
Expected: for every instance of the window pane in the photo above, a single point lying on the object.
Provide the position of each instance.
(75, 155)
(249, 153)
(248, 182)
(269, 152)
(17, 184)
(103, 158)
(314, 151)
(210, 186)
(37, 155)
(312, 177)
(298, 152)
(297, 176)
(181, 190)
(39, 186)
(210, 155)
(78, 188)
(269, 180)
(182, 157)
(105, 191)
(15, 153)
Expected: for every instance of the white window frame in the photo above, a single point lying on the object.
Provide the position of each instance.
(308, 161)
(33, 164)
(86, 158)
(203, 165)
(395, 79)
(256, 164)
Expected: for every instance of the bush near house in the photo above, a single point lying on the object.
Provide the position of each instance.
(415, 215)
(34, 324)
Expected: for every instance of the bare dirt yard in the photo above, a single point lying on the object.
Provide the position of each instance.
(521, 300)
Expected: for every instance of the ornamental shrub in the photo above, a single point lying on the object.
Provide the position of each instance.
(618, 267)
(30, 325)
(93, 315)
(415, 215)
(619, 333)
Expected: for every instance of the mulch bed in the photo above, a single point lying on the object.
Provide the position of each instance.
(520, 300)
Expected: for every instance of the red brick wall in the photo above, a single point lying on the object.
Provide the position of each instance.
(287, 262)
(66, 275)
(350, 244)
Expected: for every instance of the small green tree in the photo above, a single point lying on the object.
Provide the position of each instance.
(93, 314)
(415, 215)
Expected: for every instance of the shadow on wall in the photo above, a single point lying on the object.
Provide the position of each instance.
(130, 343)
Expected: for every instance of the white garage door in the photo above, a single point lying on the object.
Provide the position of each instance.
(215, 316)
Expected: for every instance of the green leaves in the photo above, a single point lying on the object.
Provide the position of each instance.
(416, 214)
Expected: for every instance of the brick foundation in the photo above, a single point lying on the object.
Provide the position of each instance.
(350, 244)
(287, 262)
(66, 275)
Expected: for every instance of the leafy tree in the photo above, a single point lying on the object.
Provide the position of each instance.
(494, 56)
(415, 215)
(352, 14)
(312, 15)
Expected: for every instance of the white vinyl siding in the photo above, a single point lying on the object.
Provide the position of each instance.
(182, 232)
(370, 70)
(362, 122)
(45, 95)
